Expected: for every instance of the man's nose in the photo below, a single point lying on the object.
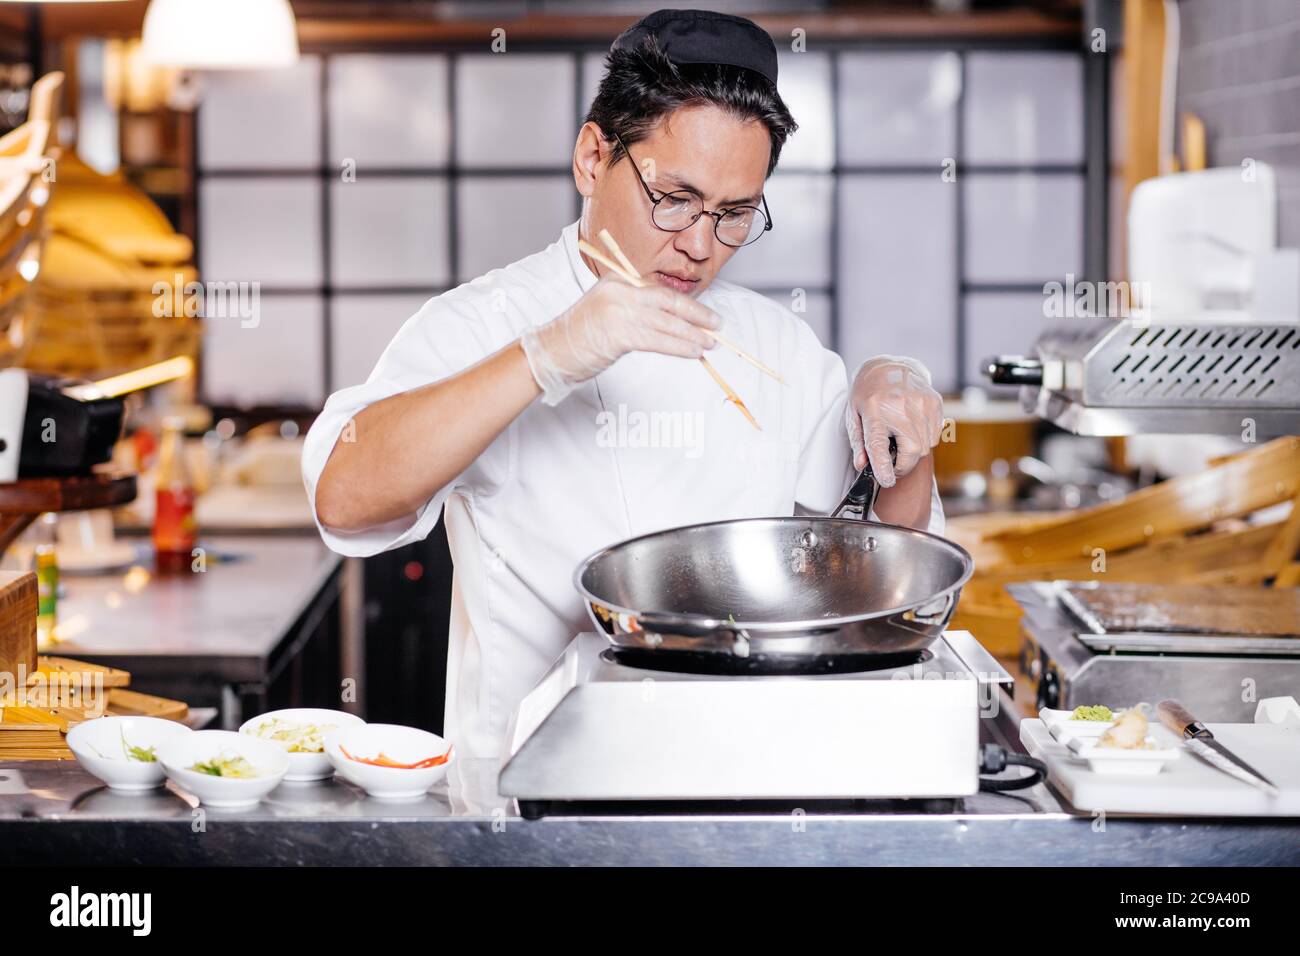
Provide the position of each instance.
(697, 240)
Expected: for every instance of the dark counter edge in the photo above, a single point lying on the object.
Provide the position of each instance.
(958, 840)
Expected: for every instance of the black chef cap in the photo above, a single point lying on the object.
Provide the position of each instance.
(701, 36)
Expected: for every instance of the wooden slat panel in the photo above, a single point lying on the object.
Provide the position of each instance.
(1239, 486)
(18, 601)
(1143, 65)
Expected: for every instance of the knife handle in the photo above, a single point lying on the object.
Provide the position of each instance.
(1180, 720)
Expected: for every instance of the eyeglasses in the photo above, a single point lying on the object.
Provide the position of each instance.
(678, 211)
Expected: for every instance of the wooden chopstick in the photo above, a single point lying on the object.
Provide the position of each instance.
(634, 278)
(731, 394)
(617, 253)
(718, 337)
(587, 249)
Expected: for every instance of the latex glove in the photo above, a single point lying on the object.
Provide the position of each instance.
(610, 320)
(891, 395)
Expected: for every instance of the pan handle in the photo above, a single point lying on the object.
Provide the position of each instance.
(861, 496)
(1013, 370)
(940, 613)
(686, 626)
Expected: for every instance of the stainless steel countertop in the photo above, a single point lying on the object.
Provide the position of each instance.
(57, 812)
(238, 608)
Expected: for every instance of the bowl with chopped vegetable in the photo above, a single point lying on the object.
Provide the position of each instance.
(389, 761)
(123, 751)
(224, 769)
(1088, 722)
(301, 732)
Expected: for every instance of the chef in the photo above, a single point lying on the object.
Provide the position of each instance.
(550, 408)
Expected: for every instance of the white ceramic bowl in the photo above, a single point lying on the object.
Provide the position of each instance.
(403, 744)
(1063, 726)
(224, 792)
(97, 745)
(305, 767)
(1121, 762)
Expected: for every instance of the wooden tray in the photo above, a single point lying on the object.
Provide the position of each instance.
(64, 671)
(32, 729)
(131, 703)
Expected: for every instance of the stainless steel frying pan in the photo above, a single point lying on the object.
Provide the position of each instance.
(778, 589)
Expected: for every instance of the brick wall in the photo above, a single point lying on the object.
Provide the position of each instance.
(1239, 70)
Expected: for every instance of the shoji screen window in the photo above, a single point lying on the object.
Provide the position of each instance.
(390, 244)
(897, 256)
(260, 221)
(1024, 195)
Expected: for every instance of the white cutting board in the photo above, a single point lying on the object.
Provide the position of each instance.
(1187, 786)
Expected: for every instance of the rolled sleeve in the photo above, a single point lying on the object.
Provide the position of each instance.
(435, 343)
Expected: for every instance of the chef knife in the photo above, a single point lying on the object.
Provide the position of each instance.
(1201, 742)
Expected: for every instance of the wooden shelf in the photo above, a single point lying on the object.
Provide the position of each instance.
(21, 501)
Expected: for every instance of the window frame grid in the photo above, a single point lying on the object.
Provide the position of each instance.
(453, 171)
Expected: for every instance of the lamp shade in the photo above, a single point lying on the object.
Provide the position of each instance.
(220, 34)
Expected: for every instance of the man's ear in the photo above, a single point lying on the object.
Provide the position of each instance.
(590, 154)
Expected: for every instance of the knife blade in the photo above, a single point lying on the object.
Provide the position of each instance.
(1204, 744)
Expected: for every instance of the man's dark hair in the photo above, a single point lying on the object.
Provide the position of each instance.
(642, 85)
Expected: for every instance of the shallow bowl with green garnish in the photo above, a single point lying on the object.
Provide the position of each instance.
(224, 769)
(1073, 724)
(123, 751)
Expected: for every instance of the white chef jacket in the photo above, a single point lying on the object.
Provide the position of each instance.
(646, 445)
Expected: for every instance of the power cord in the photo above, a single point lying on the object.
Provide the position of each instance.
(995, 759)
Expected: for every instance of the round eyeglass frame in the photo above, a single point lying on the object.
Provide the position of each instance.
(716, 215)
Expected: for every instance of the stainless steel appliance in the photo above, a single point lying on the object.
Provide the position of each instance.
(1133, 377)
(613, 724)
(779, 593)
(1065, 662)
(779, 590)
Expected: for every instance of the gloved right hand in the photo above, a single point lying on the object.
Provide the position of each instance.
(610, 320)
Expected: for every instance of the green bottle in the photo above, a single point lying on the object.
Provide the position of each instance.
(46, 565)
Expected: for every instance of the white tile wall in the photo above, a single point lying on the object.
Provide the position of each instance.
(264, 229)
(1024, 108)
(389, 110)
(502, 219)
(898, 107)
(515, 109)
(804, 80)
(390, 231)
(279, 361)
(261, 119)
(897, 271)
(1023, 227)
(896, 268)
(797, 251)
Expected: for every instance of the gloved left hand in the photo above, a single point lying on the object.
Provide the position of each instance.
(892, 396)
